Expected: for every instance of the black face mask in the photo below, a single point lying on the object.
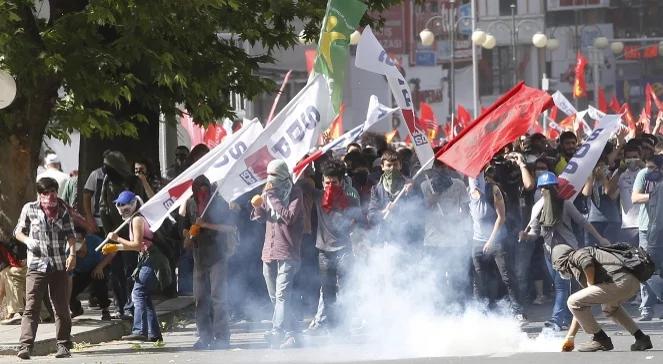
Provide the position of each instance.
(360, 177)
(112, 174)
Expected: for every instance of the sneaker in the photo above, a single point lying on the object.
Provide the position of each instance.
(316, 329)
(62, 352)
(155, 339)
(201, 345)
(24, 353)
(219, 345)
(644, 343)
(646, 316)
(93, 302)
(134, 337)
(105, 315)
(121, 316)
(75, 312)
(289, 343)
(596, 345)
(12, 320)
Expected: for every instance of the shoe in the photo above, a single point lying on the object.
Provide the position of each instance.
(93, 302)
(155, 339)
(596, 345)
(24, 353)
(219, 345)
(200, 345)
(12, 320)
(105, 315)
(316, 329)
(76, 312)
(539, 300)
(644, 343)
(121, 316)
(288, 343)
(62, 352)
(273, 338)
(69, 345)
(47, 320)
(135, 337)
(644, 317)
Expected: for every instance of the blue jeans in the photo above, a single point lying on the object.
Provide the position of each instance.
(279, 278)
(521, 267)
(185, 273)
(561, 314)
(145, 316)
(650, 291)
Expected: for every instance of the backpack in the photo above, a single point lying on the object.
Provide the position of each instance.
(634, 259)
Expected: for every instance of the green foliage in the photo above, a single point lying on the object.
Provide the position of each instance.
(118, 61)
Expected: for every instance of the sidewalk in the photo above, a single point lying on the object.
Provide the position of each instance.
(88, 328)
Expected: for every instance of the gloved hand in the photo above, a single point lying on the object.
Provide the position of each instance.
(257, 201)
(194, 230)
(110, 248)
(568, 344)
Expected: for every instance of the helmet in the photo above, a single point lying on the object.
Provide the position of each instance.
(546, 179)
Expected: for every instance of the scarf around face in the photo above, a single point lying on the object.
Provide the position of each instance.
(49, 204)
(334, 197)
(553, 208)
(392, 181)
(278, 175)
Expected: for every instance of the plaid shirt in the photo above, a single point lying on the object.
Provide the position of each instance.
(51, 250)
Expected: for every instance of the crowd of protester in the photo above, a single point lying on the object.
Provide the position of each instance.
(302, 233)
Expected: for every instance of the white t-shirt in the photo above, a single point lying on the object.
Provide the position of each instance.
(445, 225)
(630, 212)
(60, 177)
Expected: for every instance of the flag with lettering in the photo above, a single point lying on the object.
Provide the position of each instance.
(372, 57)
(214, 165)
(341, 19)
(506, 120)
(293, 132)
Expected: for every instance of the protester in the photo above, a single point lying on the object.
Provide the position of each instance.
(152, 269)
(280, 205)
(91, 271)
(210, 230)
(46, 228)
(54, 170)
(174, 170)
(602, 190)
(605, 281)
(631, 165)
(12, 280)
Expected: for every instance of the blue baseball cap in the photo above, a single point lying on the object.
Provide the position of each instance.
(124, 198)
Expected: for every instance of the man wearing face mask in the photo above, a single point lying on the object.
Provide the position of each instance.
(632, 164)
(47, 229)
(605, 282)
(645, 182)
(338, 210)
(552, 218)
(280, 206)
(602, 191)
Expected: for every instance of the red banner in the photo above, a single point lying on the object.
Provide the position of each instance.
(580, 86)
(464, 118)
(628, 116)
(507, 119)
(614, 104)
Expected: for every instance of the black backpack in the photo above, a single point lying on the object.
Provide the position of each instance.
(634, 259)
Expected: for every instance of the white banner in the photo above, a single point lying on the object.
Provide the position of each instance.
(563, 104)
(214, 165)
(372, 57)
(375, 113)
(595, 113)
(289, 136)
(584, 160)
(580, 119)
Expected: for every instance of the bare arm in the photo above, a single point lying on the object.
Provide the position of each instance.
(639, 197)
(136, 244)
(500, 209)
(612, 188)
(589, 185)
(87, 208)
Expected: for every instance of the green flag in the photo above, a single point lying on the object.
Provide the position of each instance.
(341, 19)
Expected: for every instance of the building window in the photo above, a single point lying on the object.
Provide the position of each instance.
(505, 7)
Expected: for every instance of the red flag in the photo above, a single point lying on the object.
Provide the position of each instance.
(447, 131)
(507, 119)
(653, 96)
(336, 128)
(603, 103)
(643, 121)
(553, 113)
(614, 104)
(427, 118)
(580, 86)
(310, 55)
(628, 116)
(464, 118)
(648, 92)
(214, 135)
(568, 122)
(552, 134)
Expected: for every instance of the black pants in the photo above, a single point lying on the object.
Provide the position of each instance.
(333, 268)
(99, 289)
(484, 266)
(122, 284)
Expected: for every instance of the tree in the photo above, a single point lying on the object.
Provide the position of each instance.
(104, 67)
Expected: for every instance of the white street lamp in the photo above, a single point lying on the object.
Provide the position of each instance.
(490, 42)
(478, 37)
(601, 42)
(552, 44)
(7, 89)
(539, 40)
(617, 47)
(354, 37)
(427, 37)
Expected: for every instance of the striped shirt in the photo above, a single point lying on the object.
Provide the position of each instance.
(51, 248)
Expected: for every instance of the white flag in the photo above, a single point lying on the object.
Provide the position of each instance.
(595, 113)
(563, 104)
(372, 57)
(214, 165)
(289, 136)
(582, 164)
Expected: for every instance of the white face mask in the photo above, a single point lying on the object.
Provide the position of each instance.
(127, 210)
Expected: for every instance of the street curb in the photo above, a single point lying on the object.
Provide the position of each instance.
(110, 332)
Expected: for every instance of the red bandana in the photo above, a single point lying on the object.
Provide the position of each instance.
(334, 197)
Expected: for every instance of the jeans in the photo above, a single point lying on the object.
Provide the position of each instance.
(185, 273)
(482, 267)
(561, 314)
(651, 291)
(37, 286)
(521, 267)
(210, 292)
(145, 316)
(333, 268)
(279, 277)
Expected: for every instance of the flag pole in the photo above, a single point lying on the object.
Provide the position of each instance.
(100, 246)
(398, 197)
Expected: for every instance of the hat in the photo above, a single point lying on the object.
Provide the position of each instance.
(125, 197)
(546, 179)
(51, 158)
(118, 162)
